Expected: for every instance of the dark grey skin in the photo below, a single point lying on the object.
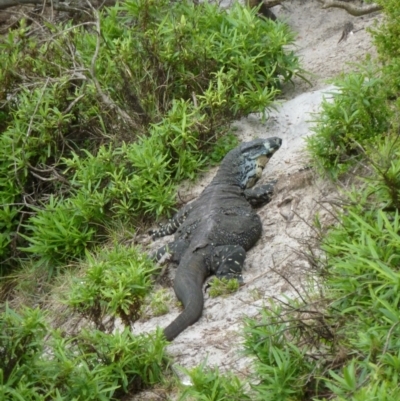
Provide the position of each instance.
(213, 233)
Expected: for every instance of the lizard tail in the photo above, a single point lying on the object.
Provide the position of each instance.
(190, 293)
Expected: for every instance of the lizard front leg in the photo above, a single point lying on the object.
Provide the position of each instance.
(260, 195)
(174, 249)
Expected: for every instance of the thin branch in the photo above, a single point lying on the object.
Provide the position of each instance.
(385, 348)
(357, 11)
(43, 178)
(4, 4)
(272, 3)
(73, 103)
(36, 108)
(55, 175)
(55, 5)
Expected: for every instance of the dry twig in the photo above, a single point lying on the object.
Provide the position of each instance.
(75, 5)
(357, 11)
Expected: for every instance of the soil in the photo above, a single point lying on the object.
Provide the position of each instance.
(276, 267)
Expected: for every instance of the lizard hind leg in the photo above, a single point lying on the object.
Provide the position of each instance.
(173, 224)
(171, 252)
(227, 262)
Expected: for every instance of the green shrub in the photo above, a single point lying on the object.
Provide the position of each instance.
(363, 280)
(97, 125)
(283, 368)
(387, 42)
(353, 117)
(209, 385)
(159, 302)
(365, 273)
(222, 287)
(42, 364)
(59, 233)
(27, 150)
(383, 184)
(21, 339)
(212, 53)
(114, 283)
(345, 345)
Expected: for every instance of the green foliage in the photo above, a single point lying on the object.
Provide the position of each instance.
(209, 385)
(354, 115)
(176, 139)
(100, 124)
(365, 276)
(222, 146)
(361, 263)
(211, 53)
(159, 302)
(115, 282)
(365, 245)
(88, 366)
(283, 369)
(222, 287)
(387, 41)
(8, 224)
(364, 280)
(343, 344)
(347, 348)
(20, 342)
(383, 185)
(59, 232)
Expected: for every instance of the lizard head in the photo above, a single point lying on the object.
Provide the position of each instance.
(253, 157)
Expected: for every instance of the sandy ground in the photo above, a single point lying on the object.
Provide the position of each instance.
(274, 267)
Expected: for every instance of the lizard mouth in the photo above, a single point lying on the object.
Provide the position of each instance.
(260, 163)
(254, 155)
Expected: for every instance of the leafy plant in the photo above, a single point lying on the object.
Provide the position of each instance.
(159, 301)
(209, 385)
(88, 366)
(222, 287)
(383, 184)
(21, 341)
(353, 116)
(107, 130)
(386, 39)
(364, 279)
(283, 369)
(343, 346)
(115, 282)
(222, 146)
(60, 232)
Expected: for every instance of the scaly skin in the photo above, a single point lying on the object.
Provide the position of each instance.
(214, 232)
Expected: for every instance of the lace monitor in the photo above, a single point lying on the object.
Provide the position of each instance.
(213, 233)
